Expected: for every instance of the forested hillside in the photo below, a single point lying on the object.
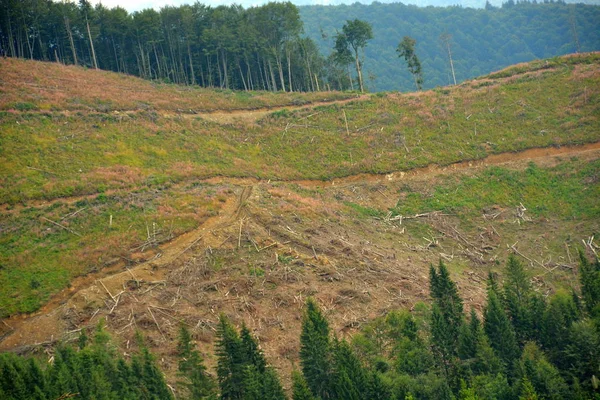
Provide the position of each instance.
(481, 40)
(225, 47)
(278, 46)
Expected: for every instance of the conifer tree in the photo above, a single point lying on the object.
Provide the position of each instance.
(543, 376)
(272, 389)
(582, 353)
(191, 367)
(377, 389)
(300, 389)
(315, 351)
(468, 337)
(446, 320)
(499, 330)
(230, 361)
(517, 295)
(251, 353)
(589, 276)
(527, 391)
(349, 374)
(560, 314)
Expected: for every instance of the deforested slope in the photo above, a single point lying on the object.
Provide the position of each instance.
(99, 170)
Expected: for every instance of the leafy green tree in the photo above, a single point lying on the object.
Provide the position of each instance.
(355, 34)
(406, 49)
(315, 357)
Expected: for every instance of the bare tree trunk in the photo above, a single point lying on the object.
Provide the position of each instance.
(71, 40)
(193, 78)
(91, 43)
(289, 65)
(160, 72)
(280, 69)
(273, 82)
(446, 39)
(11, 39)
(358, 71)
(242, 75)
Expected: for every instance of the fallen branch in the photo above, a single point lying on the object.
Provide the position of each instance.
(62, 226)
(157, 325)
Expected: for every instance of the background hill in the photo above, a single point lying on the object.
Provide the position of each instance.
(482, 40)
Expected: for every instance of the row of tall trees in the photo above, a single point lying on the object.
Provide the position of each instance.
(527, 346)
(259, 48)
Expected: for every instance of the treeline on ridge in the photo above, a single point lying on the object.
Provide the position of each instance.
(278, 46)
(527, 346)
(259, 48)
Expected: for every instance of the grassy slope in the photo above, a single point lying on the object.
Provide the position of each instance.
(142, 166)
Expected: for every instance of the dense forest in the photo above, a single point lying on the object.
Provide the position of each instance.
(224, 47)
(480, 40)
(526, 345)
(279, 46)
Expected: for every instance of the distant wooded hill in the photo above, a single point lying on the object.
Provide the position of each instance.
(482, 40)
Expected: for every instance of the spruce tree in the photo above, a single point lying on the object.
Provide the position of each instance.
(196, 381)
(315, 351)
(499, 330)
(543, 376)
(518, 295)
(377, 389)
(447, 317)
(272, 389)
(589, 275)
(349, 374)
(300, 389)
(251, 352)
(468, 337)
(231, 362)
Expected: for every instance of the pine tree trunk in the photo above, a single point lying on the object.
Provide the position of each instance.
(192, 77)
(280, 69)
(11, 39)
(273, 82)
(91, 43)
(242, 75)
(70, 34)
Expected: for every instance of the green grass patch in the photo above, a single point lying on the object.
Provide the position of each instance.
(39, 258)
(568, 191)
(362, 211)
